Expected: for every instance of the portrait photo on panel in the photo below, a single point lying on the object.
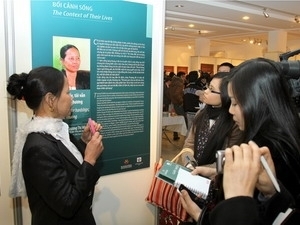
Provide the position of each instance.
(72, 57)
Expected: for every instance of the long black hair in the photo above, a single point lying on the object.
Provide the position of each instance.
(270, 115)
(264, 96)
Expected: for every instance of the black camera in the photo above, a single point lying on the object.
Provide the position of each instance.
(291, 69)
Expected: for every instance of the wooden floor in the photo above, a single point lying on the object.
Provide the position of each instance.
(169, 147)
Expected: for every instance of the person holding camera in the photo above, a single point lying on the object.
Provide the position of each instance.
(243, 173)
(213, 127)
(263, 109)
(262, 106)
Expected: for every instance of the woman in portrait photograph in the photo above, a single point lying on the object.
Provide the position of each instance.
(70, 60)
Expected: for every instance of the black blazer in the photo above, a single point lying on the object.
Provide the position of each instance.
(82, 79)
(60, 189)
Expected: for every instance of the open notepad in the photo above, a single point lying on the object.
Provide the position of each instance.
(176, 174)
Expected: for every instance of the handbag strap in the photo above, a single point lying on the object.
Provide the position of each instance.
(175, 159)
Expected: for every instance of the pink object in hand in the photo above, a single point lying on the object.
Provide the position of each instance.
(92, 127)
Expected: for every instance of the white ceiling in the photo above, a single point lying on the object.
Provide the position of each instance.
(224, 23)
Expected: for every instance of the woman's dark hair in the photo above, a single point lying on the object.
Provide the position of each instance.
(32, 87)
(66, 48)
(223, 125)
(270, 116)
(264, 95)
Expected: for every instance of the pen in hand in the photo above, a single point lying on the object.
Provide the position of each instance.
(269, 172)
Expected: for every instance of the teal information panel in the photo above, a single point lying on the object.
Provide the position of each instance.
(104, 48)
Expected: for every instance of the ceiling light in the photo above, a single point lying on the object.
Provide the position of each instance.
(170, 28)
(256, 41)
(205, 31)
(191, 25)
(297, 19)
(265, 13)
(246, 17)
(259, 42)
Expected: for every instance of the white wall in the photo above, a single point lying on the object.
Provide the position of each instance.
(6, 204)
(119, 198)
(177, 56)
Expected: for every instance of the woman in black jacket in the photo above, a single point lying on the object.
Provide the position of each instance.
(56, 171)
(262, 107)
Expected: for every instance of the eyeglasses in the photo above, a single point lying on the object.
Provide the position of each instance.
(215, 92)
(212, 91)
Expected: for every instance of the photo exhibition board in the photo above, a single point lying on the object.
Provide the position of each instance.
(113, 39)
